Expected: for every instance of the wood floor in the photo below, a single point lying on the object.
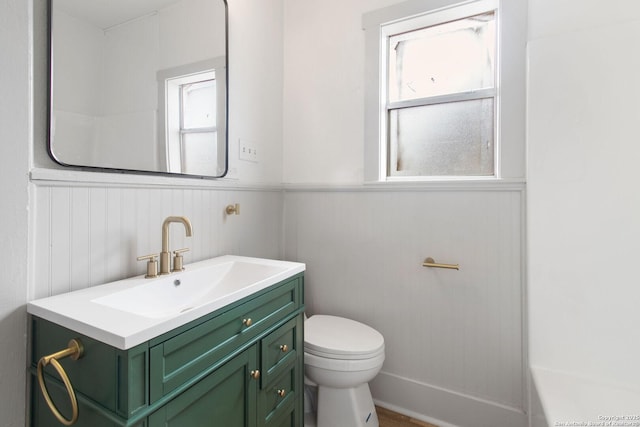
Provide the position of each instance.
(389, 418)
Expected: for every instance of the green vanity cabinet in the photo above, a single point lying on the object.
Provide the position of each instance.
(241, 365)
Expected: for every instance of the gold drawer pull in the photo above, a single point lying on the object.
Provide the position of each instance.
(284, 348)
(247, 322)
(255, 374)
(282, 392)
(75, 350)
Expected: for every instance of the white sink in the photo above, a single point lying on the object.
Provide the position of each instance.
(179, 292)
(131, 311)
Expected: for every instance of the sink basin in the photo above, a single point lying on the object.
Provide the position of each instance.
(179, 292)
(129, 312)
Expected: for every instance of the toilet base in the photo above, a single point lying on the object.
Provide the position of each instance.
(346, 407)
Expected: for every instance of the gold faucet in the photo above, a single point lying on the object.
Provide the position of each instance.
(165, 263)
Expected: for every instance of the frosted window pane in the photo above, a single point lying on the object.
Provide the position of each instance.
(452, 139)
(199, 104)
(199, 155)
(448, 58)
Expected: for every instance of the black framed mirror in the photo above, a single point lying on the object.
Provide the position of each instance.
(139, 86)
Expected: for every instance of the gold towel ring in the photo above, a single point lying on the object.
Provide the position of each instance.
(75, 350)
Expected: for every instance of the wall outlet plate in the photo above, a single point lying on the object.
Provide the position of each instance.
(248, 151)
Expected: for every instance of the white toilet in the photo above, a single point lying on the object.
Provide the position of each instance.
(341, 356)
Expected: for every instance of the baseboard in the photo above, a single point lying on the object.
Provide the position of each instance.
(442, 407)
(411, 414)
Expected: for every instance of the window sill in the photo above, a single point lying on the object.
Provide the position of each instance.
(463, 184)
(416, 186)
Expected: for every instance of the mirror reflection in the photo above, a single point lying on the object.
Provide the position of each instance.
(139, 85)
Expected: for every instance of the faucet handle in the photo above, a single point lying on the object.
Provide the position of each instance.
(152, 265)
(178, 260)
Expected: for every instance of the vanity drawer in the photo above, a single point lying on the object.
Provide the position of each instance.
(195, 352)
(277, 401)
(279, 349)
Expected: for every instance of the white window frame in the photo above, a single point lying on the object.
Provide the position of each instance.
(169, 117)
(177, 85)
(510, 81)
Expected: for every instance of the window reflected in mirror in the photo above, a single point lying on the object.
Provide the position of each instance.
(191, 123)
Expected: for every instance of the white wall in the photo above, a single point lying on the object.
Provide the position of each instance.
(583, 203)
(119, 213)
(59, 213)
(255, 88)
(15, 137)
(453, 338)
(324, 90)
(581, 116)
(87, 235)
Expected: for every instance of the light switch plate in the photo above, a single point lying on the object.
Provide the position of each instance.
(248, 151)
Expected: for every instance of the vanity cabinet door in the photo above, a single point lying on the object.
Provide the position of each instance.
(224, 398)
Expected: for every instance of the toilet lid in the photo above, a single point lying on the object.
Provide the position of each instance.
(337, 337)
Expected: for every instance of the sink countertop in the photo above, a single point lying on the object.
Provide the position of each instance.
(122, 329)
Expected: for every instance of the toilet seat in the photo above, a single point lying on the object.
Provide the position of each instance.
(343, 365)
(338, 338)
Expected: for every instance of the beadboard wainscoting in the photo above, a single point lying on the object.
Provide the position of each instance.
(454, 339)
(87, 234)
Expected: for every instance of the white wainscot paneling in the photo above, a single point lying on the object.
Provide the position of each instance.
(89, 235)
(454, 339)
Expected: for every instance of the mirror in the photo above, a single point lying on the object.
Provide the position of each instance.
(139, 86)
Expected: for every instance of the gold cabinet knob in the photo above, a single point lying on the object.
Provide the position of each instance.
(247, 322)
(255, 374)
(282, 392)
(284, 348)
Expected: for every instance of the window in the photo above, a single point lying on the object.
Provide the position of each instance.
(191, 116)
(191, 123)
(440, 99)
(433, 109)
(198, 133)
